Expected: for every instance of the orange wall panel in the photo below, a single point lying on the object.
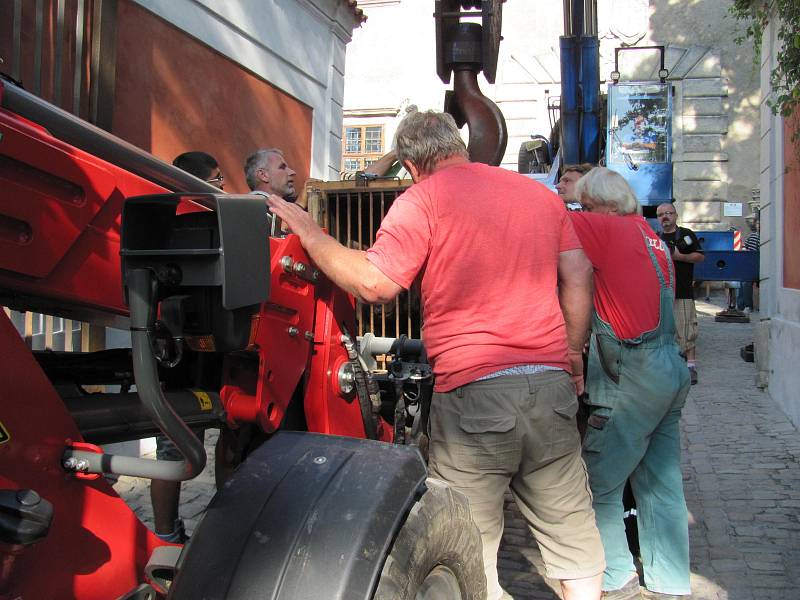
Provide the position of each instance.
(791, 204)
(174, 94)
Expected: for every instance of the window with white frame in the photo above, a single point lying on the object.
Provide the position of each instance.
(363, 145)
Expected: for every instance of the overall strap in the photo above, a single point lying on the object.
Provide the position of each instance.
(654, 260)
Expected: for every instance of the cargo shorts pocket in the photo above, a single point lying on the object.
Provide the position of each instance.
(489, 443)
(563, 428)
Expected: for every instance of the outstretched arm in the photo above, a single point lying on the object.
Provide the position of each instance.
(383, 164)
(347, 268)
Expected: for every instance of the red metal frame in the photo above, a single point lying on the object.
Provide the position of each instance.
(60, 213)
(96, 548)
(66, 207)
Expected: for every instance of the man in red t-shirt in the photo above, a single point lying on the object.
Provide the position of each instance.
(506, 293)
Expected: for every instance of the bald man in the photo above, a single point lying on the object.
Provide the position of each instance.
(686, 252)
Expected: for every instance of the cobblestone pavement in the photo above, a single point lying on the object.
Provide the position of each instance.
(741, 461)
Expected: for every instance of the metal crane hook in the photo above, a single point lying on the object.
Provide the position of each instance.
(465, 49)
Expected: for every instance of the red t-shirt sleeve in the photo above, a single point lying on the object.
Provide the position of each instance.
(591, 231)
(403, 241)
(569, 238)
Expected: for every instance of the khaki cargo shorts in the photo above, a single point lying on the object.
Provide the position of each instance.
(685, 323)
(519, 432)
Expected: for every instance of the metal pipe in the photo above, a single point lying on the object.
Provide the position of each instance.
(83, 461)
(111, 418)
(373, 345)
(570, 110)
(590, 18)
(567, 8)
(77, 132)
(590, 109)
(577, 17)
(141, 295)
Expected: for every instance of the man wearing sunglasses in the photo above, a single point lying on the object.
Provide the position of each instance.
(201, 165)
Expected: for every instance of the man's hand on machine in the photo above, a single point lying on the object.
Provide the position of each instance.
(299, 221)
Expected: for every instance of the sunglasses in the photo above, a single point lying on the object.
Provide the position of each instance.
(218, 179)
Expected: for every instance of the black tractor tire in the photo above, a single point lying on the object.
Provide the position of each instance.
(437, 554)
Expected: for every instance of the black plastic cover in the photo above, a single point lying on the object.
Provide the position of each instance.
(306, 516)
(227, 248)
(25, 517)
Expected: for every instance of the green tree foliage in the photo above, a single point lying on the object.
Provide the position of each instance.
(785, 77)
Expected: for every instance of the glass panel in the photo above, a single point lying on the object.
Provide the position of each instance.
(373, 140)
(639, 124)
(352, 139)
(351, 164)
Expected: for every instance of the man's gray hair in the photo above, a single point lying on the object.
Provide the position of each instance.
(605, 186)
(425, 138)
(257, 160)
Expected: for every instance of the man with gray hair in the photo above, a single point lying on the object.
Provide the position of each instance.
(266, 172)
(505, 324)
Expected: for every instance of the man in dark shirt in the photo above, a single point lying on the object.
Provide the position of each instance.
(166, 495)
(686, 251)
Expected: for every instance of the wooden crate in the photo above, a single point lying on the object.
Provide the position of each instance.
(352, 214)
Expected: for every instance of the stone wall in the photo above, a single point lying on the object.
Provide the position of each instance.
(700, 126)
(716, 146)
(778, 337)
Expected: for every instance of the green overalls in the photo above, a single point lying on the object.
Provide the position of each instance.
(637, 388)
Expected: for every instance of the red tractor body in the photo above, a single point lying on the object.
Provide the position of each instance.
(60, 232)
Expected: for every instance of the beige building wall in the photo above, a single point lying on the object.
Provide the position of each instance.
(391, 63)
(777, 343)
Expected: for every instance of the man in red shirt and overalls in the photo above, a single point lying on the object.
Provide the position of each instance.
(506, 292)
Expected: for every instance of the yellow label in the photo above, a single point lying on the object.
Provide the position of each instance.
(203, 399)
(4, 435)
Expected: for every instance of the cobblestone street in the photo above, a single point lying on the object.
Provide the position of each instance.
(741, 458)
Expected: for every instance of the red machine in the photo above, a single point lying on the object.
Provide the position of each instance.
(213, 340)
